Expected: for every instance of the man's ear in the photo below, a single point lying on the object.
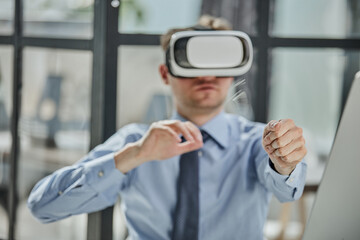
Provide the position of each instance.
(163, 70)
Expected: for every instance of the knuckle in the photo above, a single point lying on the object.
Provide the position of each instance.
(277, 142)
(176, 122)
(163, 122)
(277, 153)
(154, 124)
(281, 151)
(269, 149)
(269, 123)
(274, 144)
(305, 151)
(155, 132)
(192, 126)
(189, 123)
(299, 130)
(276, 134)
(159, 131)
(153, 128)
(282, 142)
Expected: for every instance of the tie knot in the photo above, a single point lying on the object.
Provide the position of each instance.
(205, 135)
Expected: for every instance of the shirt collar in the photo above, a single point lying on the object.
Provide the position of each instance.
(217, 128)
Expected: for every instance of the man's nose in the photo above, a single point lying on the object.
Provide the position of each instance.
(207, 78)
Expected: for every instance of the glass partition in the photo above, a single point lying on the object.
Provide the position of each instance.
(316, 19)
(64, 19)
(54, 130)
(142, 96)
(6, 17)
(155, 17)
(6, 63)
(306, 85)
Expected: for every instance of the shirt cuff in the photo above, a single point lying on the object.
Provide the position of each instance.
(101, 173)
(297, 177)
(294, 180)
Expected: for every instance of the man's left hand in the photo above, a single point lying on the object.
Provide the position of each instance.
(285, 144)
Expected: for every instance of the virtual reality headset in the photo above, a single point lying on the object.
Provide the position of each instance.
(209, 53)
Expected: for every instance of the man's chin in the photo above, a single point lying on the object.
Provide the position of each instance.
(208, 106)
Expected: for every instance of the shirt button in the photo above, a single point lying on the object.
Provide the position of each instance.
(291, 179)
(200, 153)
(101, 173)
(60, 192)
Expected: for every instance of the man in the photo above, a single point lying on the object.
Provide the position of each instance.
(238, 164)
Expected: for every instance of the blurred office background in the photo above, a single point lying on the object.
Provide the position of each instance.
(84, 68)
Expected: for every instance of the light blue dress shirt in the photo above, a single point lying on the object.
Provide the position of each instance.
(236, 182)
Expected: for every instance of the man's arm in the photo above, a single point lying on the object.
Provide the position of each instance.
(89, 185)
(96, 181)
(281, 167)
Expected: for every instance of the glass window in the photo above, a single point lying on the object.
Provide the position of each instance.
(54, 130)
(242, 14)
(157, 16)
(319, 19)
(306, 85)
(142, 96)
(6, 17)
(50, 18)
(6, 66)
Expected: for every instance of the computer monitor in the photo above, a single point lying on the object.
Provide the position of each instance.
(336, 211)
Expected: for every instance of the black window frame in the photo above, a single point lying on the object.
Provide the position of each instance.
(104, 46)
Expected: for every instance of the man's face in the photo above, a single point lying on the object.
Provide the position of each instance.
(206, 93)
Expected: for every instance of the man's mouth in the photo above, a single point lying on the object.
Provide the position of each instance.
(205, 86)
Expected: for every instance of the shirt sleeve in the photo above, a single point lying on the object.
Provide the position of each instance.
(284, 187)
(89, 185)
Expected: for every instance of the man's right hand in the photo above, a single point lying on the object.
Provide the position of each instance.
(160, 142)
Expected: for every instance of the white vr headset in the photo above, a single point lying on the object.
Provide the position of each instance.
(209, 53)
